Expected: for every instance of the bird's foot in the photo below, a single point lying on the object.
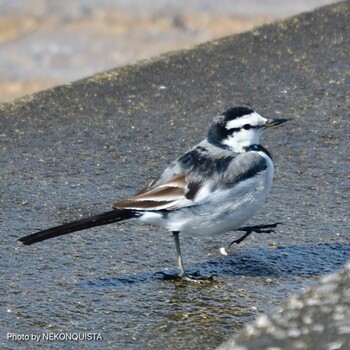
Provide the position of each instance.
(259, 228)
(248, 230)
(182, 276)
(197, 278)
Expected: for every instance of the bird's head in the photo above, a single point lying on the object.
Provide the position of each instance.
(238, 128)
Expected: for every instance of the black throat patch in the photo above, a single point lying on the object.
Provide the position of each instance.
(258, 148)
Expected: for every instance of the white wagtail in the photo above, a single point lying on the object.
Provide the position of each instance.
(213, 188)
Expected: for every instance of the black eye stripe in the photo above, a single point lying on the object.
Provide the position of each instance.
(245, 127)
(231, 131)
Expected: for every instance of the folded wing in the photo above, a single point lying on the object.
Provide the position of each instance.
(170, 194)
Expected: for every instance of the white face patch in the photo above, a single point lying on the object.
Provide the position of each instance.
(254, 119)
(244, 138)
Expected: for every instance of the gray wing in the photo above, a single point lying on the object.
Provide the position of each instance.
(188, 183)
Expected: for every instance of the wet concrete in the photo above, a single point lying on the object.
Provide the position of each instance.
(71, 151)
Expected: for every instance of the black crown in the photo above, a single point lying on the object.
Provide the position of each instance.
(236, 112)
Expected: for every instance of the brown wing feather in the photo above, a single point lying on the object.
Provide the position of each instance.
(132, 204)
(145, 189)
(177, 181)
(165, 193)
(157, 196)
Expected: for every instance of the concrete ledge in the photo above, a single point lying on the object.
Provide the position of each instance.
(316, 319)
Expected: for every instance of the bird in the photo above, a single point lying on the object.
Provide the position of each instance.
(213, 188)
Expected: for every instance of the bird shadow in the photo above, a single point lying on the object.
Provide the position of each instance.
(305, 260)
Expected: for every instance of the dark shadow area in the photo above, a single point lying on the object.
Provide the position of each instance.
(297, 260)
(305, 260)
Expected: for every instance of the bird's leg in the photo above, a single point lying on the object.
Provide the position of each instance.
(241, 239)
(250, 229)
(196, 277)
(179, 256)
(182, 274)
(260, 228)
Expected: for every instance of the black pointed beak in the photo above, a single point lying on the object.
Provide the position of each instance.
(274, 122)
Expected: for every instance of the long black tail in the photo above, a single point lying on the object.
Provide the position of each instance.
(92, 221)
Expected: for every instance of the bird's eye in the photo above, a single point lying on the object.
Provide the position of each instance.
(246, 126)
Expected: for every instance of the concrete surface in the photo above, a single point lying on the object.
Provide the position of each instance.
(73, 150)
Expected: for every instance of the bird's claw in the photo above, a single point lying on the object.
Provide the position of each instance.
(259, 228)
(248, 230)
(195, 277)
